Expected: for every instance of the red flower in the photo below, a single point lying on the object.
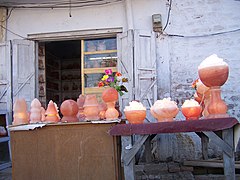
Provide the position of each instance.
(118, 74)
(100, 84)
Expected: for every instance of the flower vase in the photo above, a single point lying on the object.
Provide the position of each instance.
(111, 112)
(217, 108)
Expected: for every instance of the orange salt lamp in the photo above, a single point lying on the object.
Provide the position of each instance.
(43, 117)
(52, 115)
(191, 109)
(35, 115)
(213, 72)
(135, 113)
(20, 114)
(91, 110)
(110, 96)
(69, 110)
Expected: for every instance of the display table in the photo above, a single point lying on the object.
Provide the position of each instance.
(69, 151)
(206, 129)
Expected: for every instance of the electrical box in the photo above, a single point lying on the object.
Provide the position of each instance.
(157, 22)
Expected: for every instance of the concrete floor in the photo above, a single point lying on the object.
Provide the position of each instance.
(6, 174)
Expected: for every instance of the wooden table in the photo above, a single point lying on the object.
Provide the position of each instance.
(69, 151)
(206, 129)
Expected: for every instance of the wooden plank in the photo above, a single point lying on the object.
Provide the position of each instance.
(129, 169)
(82, 66)
(135, 148)
(174, 127)
(208, 163)
(100, 52)
(228, 160)
(219, 142)
(98, 70)
(204, 143)
(147, 151)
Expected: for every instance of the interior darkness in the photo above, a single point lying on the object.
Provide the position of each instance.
(63, 70)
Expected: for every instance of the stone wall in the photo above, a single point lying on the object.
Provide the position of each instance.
(2, 23)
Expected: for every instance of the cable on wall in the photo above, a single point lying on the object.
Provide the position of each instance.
(12, 32)
(168, 15)
(8, 16)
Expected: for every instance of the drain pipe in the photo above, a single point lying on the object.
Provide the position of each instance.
(128, 4)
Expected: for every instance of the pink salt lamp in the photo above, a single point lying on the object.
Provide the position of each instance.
(80, 103)
(69, 110)
(91, 110)
(43, 117)
(213, 72)
(52, 115)
(20, 114)
(102, 110)
(135, 113)
(164, 110)
(35, 115)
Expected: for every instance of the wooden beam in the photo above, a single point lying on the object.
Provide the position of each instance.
(208, 163)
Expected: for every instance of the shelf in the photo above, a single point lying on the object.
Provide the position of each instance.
(98, 70)
(93, 90)
(100, 52)
(72, 80)
(71, 91)
(71, 69)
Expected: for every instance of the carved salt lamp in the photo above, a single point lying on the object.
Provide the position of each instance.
(213, 72)
(80, 103)
(43, 117)
(102, 110)
(191, 109)
(110, 96)
(35, 115)
(20, 114)
(69, 110)
(52, 115)
(164, 110)
(91, 110)
(135, 113)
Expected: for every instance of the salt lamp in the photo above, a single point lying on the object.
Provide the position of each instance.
(213, 72)
(80, 103)
(91, 110)
(35, 115)
(102, 110)
(52, 115)
(191, 109)
(135, 113)
(20, 114)
(69, 110)
(110, 96)
(43, 117)
(164, 110)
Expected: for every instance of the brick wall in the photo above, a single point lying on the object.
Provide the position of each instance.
(179, 57)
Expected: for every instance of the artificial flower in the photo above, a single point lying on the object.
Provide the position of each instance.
(114, 80)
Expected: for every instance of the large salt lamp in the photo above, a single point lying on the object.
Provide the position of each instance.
(213, 72)
(110, 96)
(20, 114)
(35, 115)
(191, 109)
(52, 115)
(91, 110)
(164, 110)
(135, 113)
(69, 110)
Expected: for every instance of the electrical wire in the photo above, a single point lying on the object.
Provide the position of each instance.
(12, 32)
(203, 35)
(168, 16)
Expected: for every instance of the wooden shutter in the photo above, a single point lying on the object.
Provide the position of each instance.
(23, 70)
(5, 77)
(145, 69)
(125, 65)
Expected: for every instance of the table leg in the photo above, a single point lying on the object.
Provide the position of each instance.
(129, 169)
(204, 143)
(228, 161)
